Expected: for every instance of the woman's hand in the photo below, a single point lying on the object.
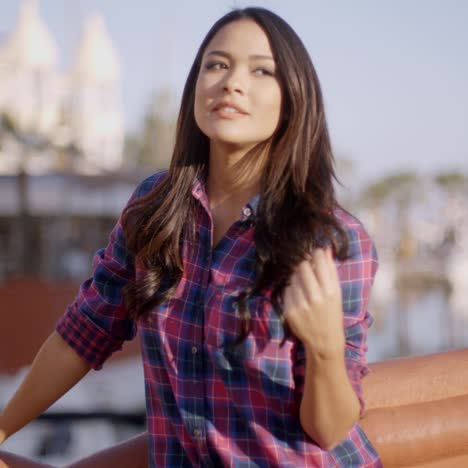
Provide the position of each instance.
(313, 307)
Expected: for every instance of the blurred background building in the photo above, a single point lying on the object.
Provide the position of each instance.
(80, 107)
(61, 147)
(69, 162)
(62, 187)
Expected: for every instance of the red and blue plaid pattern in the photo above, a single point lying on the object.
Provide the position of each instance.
(208, 404)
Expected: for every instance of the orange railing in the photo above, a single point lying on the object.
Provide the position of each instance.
(416, 416)
(417, 410)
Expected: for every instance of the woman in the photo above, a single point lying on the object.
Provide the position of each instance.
(247, 281)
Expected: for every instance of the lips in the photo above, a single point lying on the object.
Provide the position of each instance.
(226, 105)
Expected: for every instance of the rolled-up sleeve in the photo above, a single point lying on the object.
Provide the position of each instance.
(96, 323)
(356, 275)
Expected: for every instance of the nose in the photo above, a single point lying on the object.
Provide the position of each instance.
(234, 82)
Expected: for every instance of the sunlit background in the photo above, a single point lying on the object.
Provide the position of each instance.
(89, 93)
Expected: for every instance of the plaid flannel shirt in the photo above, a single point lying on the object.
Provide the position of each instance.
(207, 404)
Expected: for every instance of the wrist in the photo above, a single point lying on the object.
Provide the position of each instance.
(329, 353)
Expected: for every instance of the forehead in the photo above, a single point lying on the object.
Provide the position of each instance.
(242, 37)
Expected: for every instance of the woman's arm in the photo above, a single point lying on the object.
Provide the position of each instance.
(327, 310)
(92, 328)
(329, 406)
(313, 308)
(55, 370)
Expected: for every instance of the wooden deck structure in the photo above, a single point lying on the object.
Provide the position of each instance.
(416, 408)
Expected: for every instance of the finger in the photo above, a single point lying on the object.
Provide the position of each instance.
(298, 294)
(322, 269)
(331, 263)
(308, 280)
(293, 297)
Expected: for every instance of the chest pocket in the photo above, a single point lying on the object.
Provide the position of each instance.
(223, 323)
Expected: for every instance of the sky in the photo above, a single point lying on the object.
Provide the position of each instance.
(394, 73)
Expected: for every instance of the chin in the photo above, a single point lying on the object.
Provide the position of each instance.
(228, 137)
(232, 141)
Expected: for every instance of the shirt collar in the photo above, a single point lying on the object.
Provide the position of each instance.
(249, 210)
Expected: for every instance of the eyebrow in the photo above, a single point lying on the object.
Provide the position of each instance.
(228, 55)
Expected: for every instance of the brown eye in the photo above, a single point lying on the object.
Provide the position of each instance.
(263, 71)
(215, 66)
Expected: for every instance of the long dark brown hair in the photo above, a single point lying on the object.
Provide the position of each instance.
(297, 198)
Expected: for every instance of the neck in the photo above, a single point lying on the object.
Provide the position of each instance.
(234, 174)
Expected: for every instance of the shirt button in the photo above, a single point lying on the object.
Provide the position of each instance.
(194, 350)
(235, 306)
(197, 433)
(246, 211)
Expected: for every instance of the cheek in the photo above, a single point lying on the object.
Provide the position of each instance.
(198, 107)
(272, 106)
(278, 105)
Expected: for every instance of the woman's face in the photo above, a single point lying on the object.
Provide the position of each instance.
(237, 94)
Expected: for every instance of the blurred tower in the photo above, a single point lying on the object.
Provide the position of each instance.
(30, 91)
(95, 107)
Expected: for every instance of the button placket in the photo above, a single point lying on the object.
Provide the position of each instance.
(246, 211)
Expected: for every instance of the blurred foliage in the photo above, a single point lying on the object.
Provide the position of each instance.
(152, 145)
(31, 139)
(453, 180)
(6, 123)
(400, 185)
